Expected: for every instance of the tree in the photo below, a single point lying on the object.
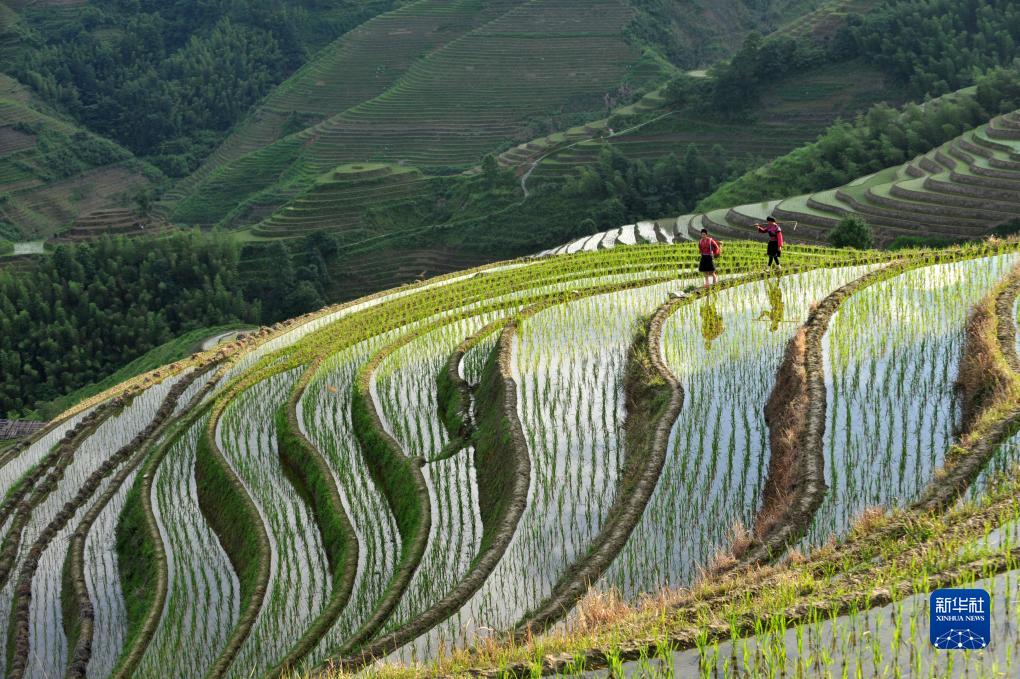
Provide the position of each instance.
(852, 232)
(490, 169)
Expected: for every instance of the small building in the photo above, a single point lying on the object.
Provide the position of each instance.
(14, 429)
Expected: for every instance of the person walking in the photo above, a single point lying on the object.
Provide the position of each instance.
(775, 246)
(709, 249)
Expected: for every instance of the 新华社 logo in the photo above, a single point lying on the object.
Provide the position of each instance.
(960, 619)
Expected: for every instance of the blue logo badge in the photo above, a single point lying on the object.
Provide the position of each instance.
(960, 619)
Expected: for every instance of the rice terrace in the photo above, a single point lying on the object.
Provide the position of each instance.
(509, 338)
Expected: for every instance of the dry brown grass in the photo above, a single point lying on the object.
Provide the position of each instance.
(601, 608)
(786, 412)
(984, 378)
(739, 538)
(868, 520)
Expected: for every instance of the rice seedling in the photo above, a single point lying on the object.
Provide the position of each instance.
(299, 583)
(891, 355)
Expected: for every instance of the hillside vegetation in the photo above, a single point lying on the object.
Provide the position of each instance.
(89, 309)
(53, 171)
(167, 80)
(481, 88)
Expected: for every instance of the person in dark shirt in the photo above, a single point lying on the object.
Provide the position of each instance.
(775, 234)
(709, 249)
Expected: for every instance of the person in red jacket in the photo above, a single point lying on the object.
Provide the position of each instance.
(775, 233)
(709, 249)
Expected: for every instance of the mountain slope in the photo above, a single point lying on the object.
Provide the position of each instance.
(52, 172)
(515, 67)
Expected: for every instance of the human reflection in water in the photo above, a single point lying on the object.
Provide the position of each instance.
(711, 323)
(774, 315)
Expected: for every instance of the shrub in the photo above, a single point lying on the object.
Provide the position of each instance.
(906, 242)
(1010, 228)
(852, 232)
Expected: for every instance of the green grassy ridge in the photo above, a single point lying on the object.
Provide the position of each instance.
(174, 350)
(77, 609)
(137, 562)
(401, 481)
(480, 287)
(310, 474)
(141, 554)
(653, 399)
(234, 518)
(975, 251)
(495, 468)
(70, 621)
(391, 471)
(553, 265)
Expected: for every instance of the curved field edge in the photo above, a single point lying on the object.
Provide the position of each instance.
(999, 334)
(234, 517)
(380, 453)
(394, 313)
(61, 457)
(64, 452)
(233, 350)
(310, 473)
(27, 482)
(454, 393)
(575, 265)
(989, 385)
(795, 412)
(659, 267)
(653, 400)
(78, 623)
(664, 258)
(402, 482)
(141, 552)
(453, 397)
(504, 475)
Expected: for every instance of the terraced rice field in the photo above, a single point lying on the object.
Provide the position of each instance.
(798, 110)
(961, 190)
(452, 82)
(37, 203)
(405, 476)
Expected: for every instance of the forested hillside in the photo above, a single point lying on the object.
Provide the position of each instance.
(168, 79)
(52, 171)
(89, 309)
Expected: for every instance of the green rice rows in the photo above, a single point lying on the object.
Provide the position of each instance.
(203, 593)
(725, 350)
(891, 406)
